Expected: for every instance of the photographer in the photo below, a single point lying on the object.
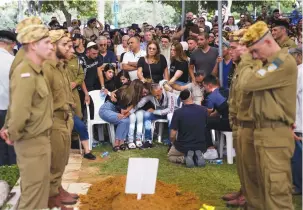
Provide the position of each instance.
(189, 28)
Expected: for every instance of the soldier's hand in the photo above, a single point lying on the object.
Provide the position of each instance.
(9, 142)
(4, 134)
(87, 99)
(73, 85)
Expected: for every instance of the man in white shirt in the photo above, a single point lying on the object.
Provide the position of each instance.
(7, 43)
(296, 161)
(131, 58)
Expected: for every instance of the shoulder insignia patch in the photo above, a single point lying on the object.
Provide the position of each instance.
(261, 72)
(272, 67)
(24, 75)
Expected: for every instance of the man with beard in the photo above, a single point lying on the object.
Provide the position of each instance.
(203, 59)
(78, 45)
(57, 77)
(165, 46)
(30, 114)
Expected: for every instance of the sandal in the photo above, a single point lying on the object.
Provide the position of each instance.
(116, 148)
(123, 147)
(139, 143)
(131, 145)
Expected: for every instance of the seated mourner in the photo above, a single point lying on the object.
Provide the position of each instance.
(187, 132)
(216, 103)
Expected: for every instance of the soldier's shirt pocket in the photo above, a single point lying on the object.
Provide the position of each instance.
(58, 84)
(42, 88)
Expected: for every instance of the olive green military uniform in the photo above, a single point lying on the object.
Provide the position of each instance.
(29, 124)
(245, 135)
(273, 110)
(63, 122)
(287, 43)
(76, 74)
(89, 32)
(234, 122)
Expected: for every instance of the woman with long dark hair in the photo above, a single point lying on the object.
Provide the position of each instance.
(152, 67)
(117, 112)
(230, 25)
(179, 65)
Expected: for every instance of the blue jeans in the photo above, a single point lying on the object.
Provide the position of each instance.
(136, 119)
(296, 165)
(80, 128)
(109, 113)
(148, 118)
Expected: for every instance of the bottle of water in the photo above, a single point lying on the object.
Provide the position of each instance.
(102, 95)
(217, 162)
(104, 154)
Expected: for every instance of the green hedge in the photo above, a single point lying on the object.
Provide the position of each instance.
(10, 174)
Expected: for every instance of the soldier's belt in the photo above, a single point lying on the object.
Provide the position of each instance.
(263, 124)
(235, 121)
(63, 115)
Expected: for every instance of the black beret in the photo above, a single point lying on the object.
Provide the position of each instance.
(7, 35)
(77, 36)
(280, 23)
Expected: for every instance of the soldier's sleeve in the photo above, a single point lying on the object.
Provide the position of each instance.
(280, 73)
(80, 76)
(22, 91)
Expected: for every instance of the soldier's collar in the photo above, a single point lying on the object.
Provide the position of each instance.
(278, 55)
(35, 67)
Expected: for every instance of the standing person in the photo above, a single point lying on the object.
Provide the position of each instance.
(230, 25)
(179, 65)
(272, 81)
(78, 45)
(296, 161)
(130, 59)
(59, 82)
(91, 32)
(203, 58)
(280, 33)
(147, 38)
(264, 16)
(7, 43)
(153, 66)
(192, 45)
(235, 198)
(122, 48)
(165, 47)
(31, 115)
(202, 27)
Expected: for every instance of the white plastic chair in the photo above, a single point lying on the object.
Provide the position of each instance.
(229, 146)
(161, 124)
(95, 96)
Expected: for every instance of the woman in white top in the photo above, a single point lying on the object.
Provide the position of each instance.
(230, 24)
(121, 48)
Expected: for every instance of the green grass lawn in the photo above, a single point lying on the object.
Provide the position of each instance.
(209, 183)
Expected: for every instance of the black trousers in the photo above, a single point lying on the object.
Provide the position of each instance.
(7, 152)
(215, 123)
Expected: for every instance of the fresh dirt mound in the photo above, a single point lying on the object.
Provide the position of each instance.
(110, 195)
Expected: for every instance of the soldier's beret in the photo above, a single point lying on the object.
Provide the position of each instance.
(254, 33)
(31, 30)
(7, 35)
(280, 23)
(56, 35)
(235, 36)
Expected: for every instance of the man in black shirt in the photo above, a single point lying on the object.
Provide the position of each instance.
(78, 45)
(189, 123)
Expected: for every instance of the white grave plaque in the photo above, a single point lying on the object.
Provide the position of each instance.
(141, 176)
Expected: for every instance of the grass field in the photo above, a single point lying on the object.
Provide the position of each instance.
(209, 183)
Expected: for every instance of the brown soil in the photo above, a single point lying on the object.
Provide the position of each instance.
(109, 194)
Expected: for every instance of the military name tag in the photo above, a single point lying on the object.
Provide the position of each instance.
(272, 67)
(25, 75)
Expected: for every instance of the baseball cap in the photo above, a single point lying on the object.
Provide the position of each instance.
(77, 36)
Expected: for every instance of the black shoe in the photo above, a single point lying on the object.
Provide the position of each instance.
(89, 156)
(147, 144)
(189, 159)
(200, 161)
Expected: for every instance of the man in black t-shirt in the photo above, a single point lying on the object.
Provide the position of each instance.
(189, 123)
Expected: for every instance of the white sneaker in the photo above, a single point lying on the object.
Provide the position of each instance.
(210, 154)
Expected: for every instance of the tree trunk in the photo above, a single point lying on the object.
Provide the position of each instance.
(67, 15)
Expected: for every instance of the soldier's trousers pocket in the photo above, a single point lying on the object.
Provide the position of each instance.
(279, 183)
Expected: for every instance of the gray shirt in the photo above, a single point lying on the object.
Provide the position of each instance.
(204, 62)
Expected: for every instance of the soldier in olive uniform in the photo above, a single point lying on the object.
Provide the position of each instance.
(30, 115)
(273, 108)
(57, 76)
(235, 198)
(280, 34)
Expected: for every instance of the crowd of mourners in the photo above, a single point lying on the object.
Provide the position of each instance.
(147, 73)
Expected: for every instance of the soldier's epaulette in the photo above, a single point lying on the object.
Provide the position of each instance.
(277, 62)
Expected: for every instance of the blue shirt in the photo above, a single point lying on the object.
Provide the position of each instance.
(226, 70)
(110, 57)
(214, 99)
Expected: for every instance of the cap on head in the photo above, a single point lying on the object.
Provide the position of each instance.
(280, 23)
(31, 30)
(77, 36)
(185, 94)
(56, 35)
(235, 36)
(255, 33)
(7, 36)
(90, 44)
